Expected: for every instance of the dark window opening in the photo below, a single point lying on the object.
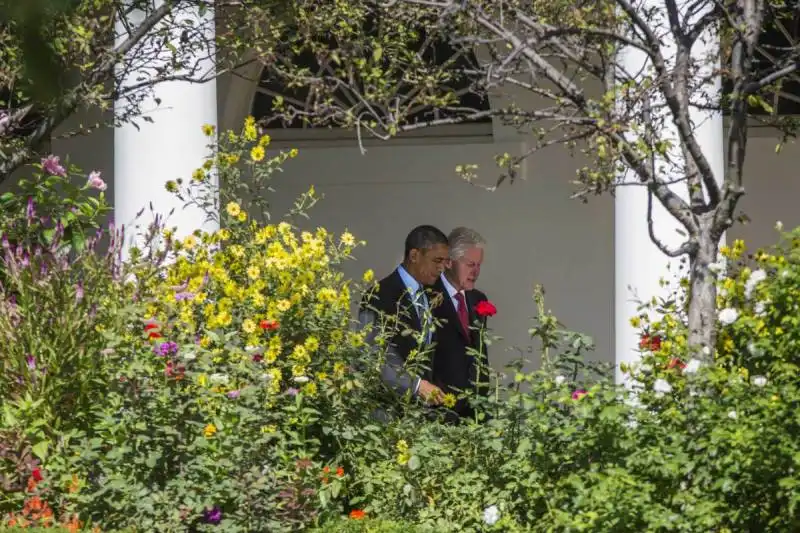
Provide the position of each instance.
(780, 35)
(303, 98)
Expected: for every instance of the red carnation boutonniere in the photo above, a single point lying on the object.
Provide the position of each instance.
(485, 309)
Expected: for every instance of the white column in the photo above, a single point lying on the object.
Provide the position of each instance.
(639, 265)
(172, 145)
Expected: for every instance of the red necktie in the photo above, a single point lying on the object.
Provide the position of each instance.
(462, 312)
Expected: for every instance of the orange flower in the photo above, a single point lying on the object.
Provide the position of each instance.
(357, 514)
(268, 325)
(31, 484)
(340, 471)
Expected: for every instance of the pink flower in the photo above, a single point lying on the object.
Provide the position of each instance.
(95, 181)
(52, 165)
(578, 394)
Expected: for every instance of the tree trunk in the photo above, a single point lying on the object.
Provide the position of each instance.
(703, 297)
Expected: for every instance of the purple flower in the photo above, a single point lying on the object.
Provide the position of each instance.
(233, 394)
(79, 291)
(30, 211)
(166, 348)
(31, 362)
(291, 391)
(181, 296)
(213, 515)
(52, 165)
(95, 181)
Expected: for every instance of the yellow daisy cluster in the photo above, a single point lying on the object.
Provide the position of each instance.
(260, 294)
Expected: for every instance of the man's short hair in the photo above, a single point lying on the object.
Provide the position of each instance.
(462, 239)
(424, 237)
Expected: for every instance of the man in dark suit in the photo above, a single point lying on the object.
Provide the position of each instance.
(460, 360)
(399, 305)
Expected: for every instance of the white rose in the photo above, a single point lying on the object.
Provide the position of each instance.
(301, 379)
(732, 415)
(560, 380)
(189, 356)
(692, 366)
(491, 515)
(755, 278)
(728, 316)
(759, 381)
(716, 268)
(661, 386)
(759, 308)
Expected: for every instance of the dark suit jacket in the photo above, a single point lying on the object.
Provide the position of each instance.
(389, 306)
(455, 367)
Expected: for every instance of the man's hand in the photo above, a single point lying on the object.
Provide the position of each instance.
(430, 393)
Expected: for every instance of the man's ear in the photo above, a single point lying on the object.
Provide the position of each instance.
(413, 256)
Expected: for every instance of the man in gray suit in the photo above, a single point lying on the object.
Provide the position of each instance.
(400, 303)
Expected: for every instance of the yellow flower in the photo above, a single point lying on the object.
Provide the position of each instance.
(326, 295)
(284, 305)
(347, 239)
(368, 276)
(269, 428)
(635, 321)
(338, 369)
(264, 140)
(293, 152)
(310, 389)
(274, 350)
(209, 430)
(300, 354)
(189, 242)
(253, 272)
(199, 175)
(312, 344)
(248, 326)
(208, 130)
(298, 370)
(257, 153)
(242, 216)
(449, 400)
(233, 209)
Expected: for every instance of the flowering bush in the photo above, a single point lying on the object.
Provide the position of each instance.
(209, 380)
(213, 380)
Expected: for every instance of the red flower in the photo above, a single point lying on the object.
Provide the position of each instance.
(268, 325)
(649, 343)
(340, 472)
(676, 363)
(357, 514)
(485, 308)
(152, 331)
(37, 474)
(326, 470)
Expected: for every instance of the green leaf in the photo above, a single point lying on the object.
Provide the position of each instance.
(40, 449)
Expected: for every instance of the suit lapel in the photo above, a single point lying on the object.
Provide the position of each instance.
(406, 305)
(475, 336)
